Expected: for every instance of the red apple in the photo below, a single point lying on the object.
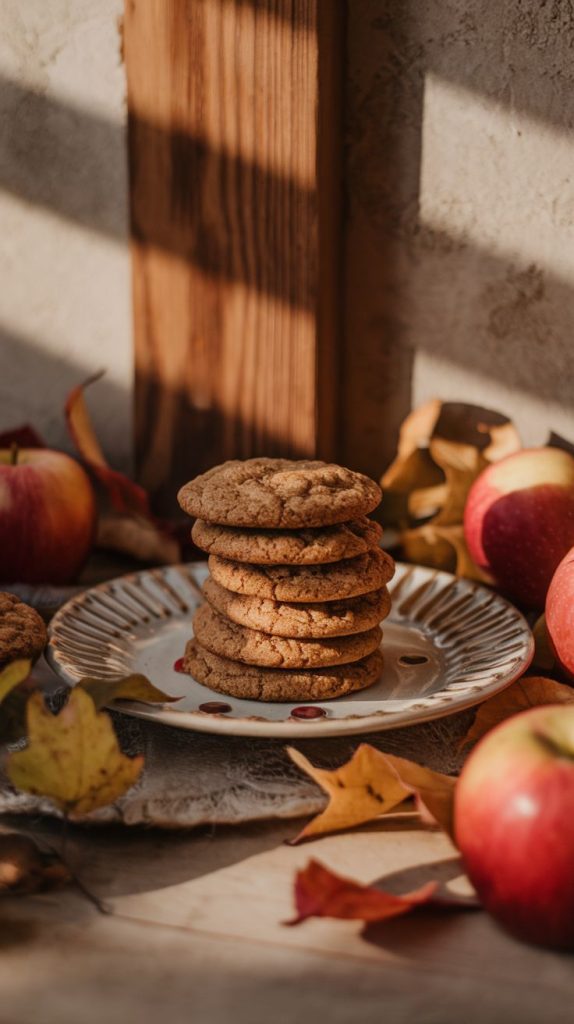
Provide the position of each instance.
(47, 516)
(514, 824)
(560, 613)
(519, 521)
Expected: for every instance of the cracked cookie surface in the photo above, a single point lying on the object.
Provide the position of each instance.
(283, 493)
(221, 636)
(288, 547)
(308, 583)
(22, 630)
(320, 619)
(286, 685)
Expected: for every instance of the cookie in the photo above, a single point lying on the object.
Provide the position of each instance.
(304, 621)
(221, 636)
(288, 547)
(310, 583)
(279, 493)
(249, 682)
(22, 630)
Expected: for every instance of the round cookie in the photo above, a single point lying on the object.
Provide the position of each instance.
(288, 547)
(309, 583)
(304, 621)
(221, 636)
(22, 630)
(279, 493)
(249, 682)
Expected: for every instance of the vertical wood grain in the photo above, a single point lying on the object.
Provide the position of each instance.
(233, 124)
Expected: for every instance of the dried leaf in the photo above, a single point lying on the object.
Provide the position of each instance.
(418, 428)
(544, 657)
(319, 892)
(72, 758)
(124, 494)
(23, 437)
(433, 791)
(425, 545)
(359, 791)
(135, 687)
(139, 538)
(372, 784)
(556, 441)
(14, 674)
(25, 868)
(527, 692)
(14, 693)
(489, 431)
(133, 530)
(461, 464)
(442, 449)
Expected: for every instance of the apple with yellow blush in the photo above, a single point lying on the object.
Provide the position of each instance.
(519, 521)
(47, 516)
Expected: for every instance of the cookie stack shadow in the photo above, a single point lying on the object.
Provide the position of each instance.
(297, 584)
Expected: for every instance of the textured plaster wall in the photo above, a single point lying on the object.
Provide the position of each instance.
(460, 196)
(64, 270)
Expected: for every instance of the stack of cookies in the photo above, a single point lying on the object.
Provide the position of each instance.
(297, 584)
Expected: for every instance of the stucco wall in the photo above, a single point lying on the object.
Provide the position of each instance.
(460, 201)
(64, 269)
(460, 193)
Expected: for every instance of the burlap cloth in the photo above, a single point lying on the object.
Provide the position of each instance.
(193, 778)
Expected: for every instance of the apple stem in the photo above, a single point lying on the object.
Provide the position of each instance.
(14, 454)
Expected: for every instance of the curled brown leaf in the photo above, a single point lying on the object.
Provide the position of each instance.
(528, 692)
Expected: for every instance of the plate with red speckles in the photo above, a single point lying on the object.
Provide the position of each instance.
(448, 644)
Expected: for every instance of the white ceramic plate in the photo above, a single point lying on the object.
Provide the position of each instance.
(448, 644)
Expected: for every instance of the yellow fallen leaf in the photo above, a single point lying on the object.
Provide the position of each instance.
(14, 674)
(528, 692)
(14, 693)
(135, 687)
(372, 784)
(72, 758)
(359, 791)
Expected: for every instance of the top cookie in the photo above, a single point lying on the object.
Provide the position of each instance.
(279, 493)
(22, 630)
(288, 547)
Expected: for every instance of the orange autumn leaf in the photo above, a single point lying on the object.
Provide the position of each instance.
(131, 527)
(372, 784)
(319, 892)
(527, 692)
(126, 496)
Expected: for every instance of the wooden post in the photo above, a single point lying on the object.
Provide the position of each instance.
(234, 115)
